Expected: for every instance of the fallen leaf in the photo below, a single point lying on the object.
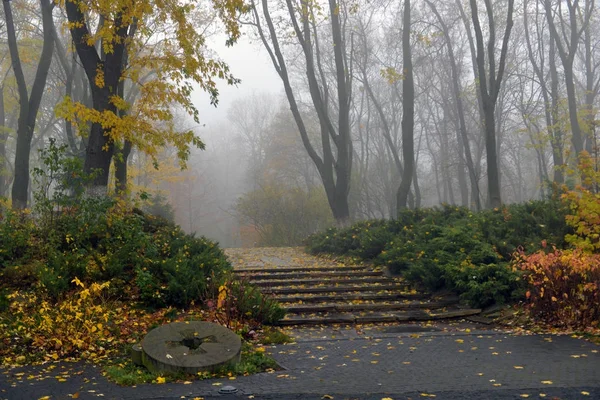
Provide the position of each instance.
(160, 379)
(547, 382)
(518, 367)
(217, 384)
(524, 395)
(326, 396)
(585, 393)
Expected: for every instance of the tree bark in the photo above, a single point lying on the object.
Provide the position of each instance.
(29, 104)
(567, 52)
(3, 137)
(408, 113)
(335, 165)
(463, 135)
(489, 87)
(100, 146)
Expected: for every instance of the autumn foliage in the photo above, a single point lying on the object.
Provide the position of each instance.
(563, 286)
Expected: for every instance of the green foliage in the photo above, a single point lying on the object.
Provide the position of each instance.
(274, 336)
(158, 206)
(16, 240)
(584, 206)
(241, 301)
(284, 216)
(452, 247)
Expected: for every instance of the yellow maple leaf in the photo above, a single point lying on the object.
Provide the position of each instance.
(161, 379)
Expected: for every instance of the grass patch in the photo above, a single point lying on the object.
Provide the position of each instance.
(254, 360)
(274, 336)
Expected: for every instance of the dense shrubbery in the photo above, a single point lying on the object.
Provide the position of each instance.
(452, 247)
(74, 268)
(564, 287)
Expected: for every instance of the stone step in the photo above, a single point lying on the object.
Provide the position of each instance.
(335, 289)
(346, 297)
(249, 270)
(408, 305)
(372, 317)
(306, 274)
(322, 281)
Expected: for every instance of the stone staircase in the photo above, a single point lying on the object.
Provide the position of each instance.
(347, 294)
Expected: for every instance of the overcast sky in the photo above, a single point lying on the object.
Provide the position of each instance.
(248, 62)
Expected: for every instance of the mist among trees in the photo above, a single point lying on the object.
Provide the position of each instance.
(384, 105)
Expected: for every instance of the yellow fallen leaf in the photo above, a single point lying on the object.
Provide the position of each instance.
(542, 394)
(497, 384)
(160, 379)
(217, 384)
(524, 395)
(459, 341)
(585, 393)
(374, 362)
(547, 382)
(74, 395)
(518, 367)
(44, 398)
(326, 396)
(386, 398)
(187, 382)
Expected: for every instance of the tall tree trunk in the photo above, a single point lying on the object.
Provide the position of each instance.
(464, 137)
(29, 103)
(3, 137)
(335, 165)
(100, 146)
(489, 86)
(567, 52)
(408, 113)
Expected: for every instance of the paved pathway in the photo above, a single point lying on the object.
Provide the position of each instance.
(454, 360)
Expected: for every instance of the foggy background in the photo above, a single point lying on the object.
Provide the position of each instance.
(255, 183)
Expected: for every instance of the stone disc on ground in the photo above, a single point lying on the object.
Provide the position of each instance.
(190, 347)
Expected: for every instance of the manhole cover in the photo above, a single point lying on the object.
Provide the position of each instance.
(227, 390)
(190, 347)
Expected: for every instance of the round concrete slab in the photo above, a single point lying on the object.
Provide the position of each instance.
(190, 347)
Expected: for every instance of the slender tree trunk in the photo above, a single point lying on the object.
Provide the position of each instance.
(335, 164)
(3, 137)
(465, 148)
(29, 103)
(489, 86)
(408, 113)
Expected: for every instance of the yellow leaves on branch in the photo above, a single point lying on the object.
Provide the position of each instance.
(167, 56)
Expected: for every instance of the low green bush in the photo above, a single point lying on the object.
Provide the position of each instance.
(452, 247)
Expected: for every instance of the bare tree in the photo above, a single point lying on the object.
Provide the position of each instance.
(567, 42)
(335, 163)
(29, 103)
(489, 87)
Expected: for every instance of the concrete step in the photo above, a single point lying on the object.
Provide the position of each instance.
(398, 287)
(346, 297)
(249, 270)
(255, 277)
(336, 307)
(375, 317)
(321, 281)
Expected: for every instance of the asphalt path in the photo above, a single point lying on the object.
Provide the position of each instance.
(390, 362)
